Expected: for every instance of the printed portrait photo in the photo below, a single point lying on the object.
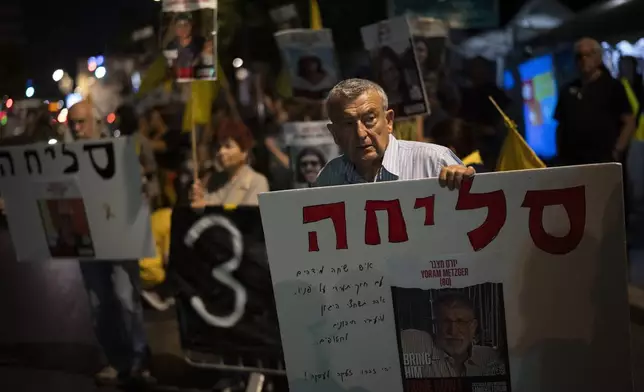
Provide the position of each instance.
(66, 227)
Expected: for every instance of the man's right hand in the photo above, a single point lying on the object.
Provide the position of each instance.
(198, 195)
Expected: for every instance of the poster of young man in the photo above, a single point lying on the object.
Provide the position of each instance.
(395, 67)
(81, 200)
(190, 33)
(286, 17)
(310, 147)
(515, 282)
(310, 57)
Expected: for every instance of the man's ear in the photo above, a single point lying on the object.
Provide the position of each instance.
(331, 129)
(389, 116)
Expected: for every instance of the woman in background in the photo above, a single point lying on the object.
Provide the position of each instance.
(237, 183)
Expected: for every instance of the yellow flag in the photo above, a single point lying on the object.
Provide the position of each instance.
(316, 18)
(283, 84)
(154, 76)
(635, 105)
(473, 159)
(202, 95)
(516, 154)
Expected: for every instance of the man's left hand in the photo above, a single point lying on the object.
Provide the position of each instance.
(452, 176)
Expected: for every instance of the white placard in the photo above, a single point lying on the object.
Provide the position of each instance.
(539, 255)
(188, 5)
(78, 200)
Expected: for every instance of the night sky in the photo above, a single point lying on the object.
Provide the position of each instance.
(60, 32)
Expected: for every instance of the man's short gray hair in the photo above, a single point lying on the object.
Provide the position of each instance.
(351, 89)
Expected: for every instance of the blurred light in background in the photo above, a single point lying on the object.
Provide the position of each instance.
(100, 60)
(91, 64)
(62, 116)
(9, 103)
(58, 75)
(136, 81)
(30, 92)
(61, 104)
(53, 107)
(3, 118)
(100, 72)
(237, 62)
(72, 99)
(111, 118)
(52, 141)
(117, 133)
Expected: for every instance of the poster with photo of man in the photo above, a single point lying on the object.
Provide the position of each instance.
(310, 147)
(452, 333)
(311, 60)
(189, 32)
(396, 69)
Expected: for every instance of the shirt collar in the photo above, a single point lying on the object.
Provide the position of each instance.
(390, 161)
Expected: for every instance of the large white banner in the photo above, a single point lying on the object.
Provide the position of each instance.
(76, 201)
(517, 282)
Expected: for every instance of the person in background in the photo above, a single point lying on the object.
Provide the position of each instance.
(237, 183)
(114, 291)
(390, 72)
(361, 125)
(459, 136)
(596, 121)
(279, 162)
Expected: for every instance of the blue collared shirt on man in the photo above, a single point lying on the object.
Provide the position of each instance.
(403, 160)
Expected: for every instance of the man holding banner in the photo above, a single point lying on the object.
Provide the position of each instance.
(361, 125)
(114, 291)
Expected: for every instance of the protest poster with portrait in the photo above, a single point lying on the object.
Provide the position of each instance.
(79, 200)
(189, 31)
(515, 282)
(310, 57)
(389, 43)
(286, 17)
(310, 146)
(430, 36)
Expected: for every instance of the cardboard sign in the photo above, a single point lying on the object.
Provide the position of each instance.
(396, 69)
(189, 31)
(76, 201)
(310, 57)
(515, 282)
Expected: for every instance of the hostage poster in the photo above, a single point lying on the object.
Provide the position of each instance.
(78, 200)
(311, 147)
(189, 38)
(310, 57)
(395, 67)
(515, 282)
(429, 36)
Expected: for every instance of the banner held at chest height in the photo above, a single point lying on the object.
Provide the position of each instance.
(516, 282)
(78, 200)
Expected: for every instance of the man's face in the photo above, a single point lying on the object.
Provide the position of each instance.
(361, 127)
(456, 329)
(183, 28)
(81, 122)
(589, 59)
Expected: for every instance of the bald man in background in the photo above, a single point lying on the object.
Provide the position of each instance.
(113, 288)
(596, 122)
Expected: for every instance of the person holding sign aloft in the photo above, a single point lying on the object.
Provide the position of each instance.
(362, 126)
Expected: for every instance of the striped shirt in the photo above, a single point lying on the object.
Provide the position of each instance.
(403, 160)
(423, 359)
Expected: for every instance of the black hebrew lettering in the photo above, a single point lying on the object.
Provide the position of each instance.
(106, 172)
(29, 154)
(73, 167)
(9, 158)
(51, 152)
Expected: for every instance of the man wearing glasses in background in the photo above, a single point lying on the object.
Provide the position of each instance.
(452, 352)
(596, 122)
